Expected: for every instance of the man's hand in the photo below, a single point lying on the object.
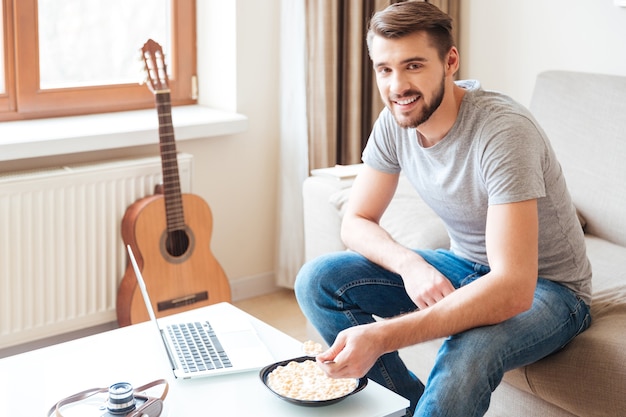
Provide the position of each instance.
(354, 352)
(425, 285)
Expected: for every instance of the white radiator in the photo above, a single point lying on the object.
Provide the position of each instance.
(61, 252)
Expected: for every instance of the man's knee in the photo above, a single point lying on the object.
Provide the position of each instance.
(476, 358)
(316, 277)
(312, 275)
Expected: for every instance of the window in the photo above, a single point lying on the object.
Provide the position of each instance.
(69, 57)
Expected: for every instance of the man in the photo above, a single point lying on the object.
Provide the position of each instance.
(514, 285)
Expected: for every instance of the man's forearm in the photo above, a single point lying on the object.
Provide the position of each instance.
(470, 306)
(372, 241)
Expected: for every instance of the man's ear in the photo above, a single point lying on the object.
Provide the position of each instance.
(452, 61)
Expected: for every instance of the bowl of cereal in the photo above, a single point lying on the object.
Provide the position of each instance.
(300, 381)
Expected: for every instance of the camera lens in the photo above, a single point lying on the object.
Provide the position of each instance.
(121, 399)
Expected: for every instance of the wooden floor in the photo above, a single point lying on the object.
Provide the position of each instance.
(278, 309)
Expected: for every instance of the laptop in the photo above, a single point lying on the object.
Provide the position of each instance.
(201, 346)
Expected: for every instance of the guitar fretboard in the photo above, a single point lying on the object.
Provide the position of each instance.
(169, 163)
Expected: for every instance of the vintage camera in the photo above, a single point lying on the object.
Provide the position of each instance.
(119, 400)
(122, 402)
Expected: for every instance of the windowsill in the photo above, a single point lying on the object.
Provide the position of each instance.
(66, 135)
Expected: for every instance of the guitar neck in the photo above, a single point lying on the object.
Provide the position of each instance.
(169, 163)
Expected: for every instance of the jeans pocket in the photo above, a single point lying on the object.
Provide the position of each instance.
(582, 309)
(580, 317)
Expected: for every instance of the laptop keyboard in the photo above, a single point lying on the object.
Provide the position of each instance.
(198, 347)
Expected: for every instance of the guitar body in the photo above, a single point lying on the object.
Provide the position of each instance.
(177, 282)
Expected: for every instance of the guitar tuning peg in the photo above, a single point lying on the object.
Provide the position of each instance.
(142, 74)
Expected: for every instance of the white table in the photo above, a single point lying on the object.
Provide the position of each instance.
(30, 383)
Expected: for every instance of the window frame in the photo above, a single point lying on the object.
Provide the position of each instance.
(24, 99)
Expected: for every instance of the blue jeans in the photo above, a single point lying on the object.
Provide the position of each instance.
(344, 289)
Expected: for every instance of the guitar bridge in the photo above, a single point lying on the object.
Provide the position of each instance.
(183, 301)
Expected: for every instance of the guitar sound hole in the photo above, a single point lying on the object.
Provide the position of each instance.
(177, 243)
(177, 246)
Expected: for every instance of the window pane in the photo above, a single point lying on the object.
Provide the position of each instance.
(86, 43)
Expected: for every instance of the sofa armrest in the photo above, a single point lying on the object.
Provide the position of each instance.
(322, 220)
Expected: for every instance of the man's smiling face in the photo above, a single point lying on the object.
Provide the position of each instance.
(410, 77)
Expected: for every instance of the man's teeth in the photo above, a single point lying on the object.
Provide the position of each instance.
(407, 101)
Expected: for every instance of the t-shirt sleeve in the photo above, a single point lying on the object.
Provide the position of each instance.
(381, 152)
(513, 158)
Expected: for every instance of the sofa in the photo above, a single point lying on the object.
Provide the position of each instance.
(584, 116)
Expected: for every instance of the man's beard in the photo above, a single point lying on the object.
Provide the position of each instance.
(427, 110)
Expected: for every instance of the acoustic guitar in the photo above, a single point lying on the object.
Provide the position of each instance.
(169, 232)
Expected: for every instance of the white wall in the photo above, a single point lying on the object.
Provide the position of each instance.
(506, 43)
(237, 175)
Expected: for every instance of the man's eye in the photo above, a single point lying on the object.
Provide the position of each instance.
(415, 66)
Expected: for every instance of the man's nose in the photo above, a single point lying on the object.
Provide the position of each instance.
(399, 84)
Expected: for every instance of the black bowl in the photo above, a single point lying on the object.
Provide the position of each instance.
(263, 374)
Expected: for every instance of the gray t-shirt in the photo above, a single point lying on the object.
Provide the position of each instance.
(495, 153)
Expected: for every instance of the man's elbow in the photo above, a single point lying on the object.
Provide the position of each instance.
(522, 305)
(344, 232)
(521, 300)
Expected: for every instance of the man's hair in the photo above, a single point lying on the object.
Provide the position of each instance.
(406, 18)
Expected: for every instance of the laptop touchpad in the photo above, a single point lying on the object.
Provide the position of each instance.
(239, 340)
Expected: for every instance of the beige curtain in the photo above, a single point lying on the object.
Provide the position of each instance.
(293, 143)
(342, 99)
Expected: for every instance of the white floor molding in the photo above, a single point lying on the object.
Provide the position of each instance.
(253, 286)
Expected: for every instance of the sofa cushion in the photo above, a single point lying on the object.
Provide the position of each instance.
(584, 377)
(408, 219)
(583, 115)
